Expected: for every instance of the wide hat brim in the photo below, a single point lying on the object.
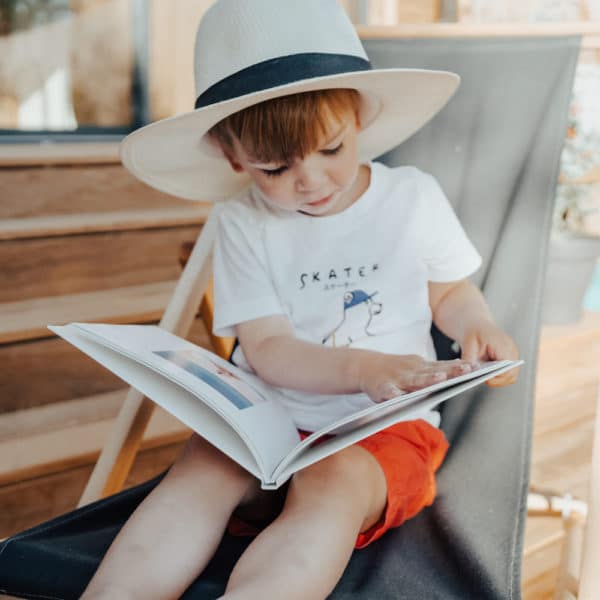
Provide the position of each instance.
(174, 156)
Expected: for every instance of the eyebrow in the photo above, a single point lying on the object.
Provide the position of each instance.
(257, 164)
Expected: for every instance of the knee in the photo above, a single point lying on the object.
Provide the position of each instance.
(352, 473)
(107, 591)
(199, 456)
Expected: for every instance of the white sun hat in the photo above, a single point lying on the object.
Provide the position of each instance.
(249, 51)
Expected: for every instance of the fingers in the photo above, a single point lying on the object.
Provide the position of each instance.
(411, 373)
(507, 378)
(408, 382)
(471, 350)
(455, 367)
(388, 391)
(432, 373)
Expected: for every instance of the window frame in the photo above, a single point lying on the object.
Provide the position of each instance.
(140, 97)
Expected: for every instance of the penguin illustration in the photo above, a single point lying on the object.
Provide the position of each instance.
(359, 310)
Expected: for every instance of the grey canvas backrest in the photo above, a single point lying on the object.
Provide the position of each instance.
(495, 150)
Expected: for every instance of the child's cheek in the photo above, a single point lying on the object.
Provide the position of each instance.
(275, 190)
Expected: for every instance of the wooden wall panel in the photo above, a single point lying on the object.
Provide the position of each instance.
(26, 192)
(45, 371)
(30, 502)
(82, 263)
(41, 372)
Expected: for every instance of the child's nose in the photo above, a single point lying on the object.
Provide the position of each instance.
(309, 179)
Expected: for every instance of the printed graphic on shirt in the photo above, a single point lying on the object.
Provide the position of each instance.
(336, 278)
(359, 309)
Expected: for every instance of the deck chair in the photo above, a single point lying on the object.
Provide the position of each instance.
(495, 149)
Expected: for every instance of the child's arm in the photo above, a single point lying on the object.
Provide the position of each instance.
(460, 311)
(281, 359)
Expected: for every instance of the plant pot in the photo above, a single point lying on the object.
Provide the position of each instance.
(571, 264)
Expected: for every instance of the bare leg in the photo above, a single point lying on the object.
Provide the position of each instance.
(304, 552)
(175, 531)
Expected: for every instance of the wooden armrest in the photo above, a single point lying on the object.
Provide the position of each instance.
(223, 346)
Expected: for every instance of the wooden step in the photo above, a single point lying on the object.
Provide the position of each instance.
(544, 539)
(59, 153)
(45, 371)
(53, 266)
(45, 440)
(28, 319)
(76, 190)
(60, 225)
(30, 502)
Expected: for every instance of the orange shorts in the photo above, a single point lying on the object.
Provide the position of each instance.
(409, 454)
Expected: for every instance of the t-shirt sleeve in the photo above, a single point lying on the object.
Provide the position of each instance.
(445, 248)
(242, 287)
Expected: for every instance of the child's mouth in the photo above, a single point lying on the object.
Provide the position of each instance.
(321, 201)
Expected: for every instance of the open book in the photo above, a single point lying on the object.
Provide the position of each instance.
(236, 411)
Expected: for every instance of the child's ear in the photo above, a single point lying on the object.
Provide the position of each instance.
(357, 120)
(235, 165)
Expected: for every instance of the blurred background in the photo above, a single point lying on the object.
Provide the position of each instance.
(80, 239)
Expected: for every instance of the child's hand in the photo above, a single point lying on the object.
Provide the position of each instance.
(384, 376)
(486, 341)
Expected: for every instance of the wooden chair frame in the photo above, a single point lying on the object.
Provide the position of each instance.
(581, 552)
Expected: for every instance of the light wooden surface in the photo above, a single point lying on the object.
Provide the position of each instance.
(67, 190)
(41, 372)
(71, 153)
(124, 220)
(76, 264)
(589, 581)
(566, 395)
(72, 437)
(29, 319)
(590, 30)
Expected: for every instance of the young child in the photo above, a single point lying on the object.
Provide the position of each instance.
(329, 268)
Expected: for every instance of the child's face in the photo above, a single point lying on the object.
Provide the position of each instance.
(322, 183)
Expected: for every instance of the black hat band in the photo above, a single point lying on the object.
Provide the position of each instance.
(281, 71)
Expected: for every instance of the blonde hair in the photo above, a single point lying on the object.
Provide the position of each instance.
(288, 127)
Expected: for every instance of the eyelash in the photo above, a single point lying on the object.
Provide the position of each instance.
(274, 172)
(282, 169)
(333, 151)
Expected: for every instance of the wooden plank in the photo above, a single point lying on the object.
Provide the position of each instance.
(59, 153)
(28, 319)
(64, 190)
(587, 327)
(27, 503)
(35, 227)
(588, 584)
(589, 29)
(30, 456)
(391, 13)
(566, 391)
(50, 370)
(47, 371)
(84, 263)
(540, 563)
(60, 415)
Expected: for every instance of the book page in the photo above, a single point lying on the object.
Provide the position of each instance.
(239, 398)
(183, 404)
(402, 408)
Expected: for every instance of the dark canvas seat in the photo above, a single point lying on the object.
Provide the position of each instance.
(495, 150)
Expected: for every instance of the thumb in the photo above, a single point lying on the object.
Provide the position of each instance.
(471, 349)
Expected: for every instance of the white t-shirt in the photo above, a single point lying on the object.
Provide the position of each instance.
(357, 278)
